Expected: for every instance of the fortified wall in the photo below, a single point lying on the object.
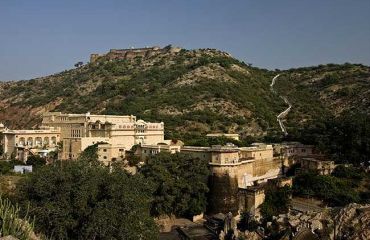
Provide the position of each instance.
(131, 53)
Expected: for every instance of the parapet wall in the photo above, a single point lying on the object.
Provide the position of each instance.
(131, 53)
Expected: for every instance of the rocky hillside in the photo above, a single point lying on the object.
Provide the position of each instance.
(192, 91)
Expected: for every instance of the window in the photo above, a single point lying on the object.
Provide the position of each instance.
(104, 150)
(121, 150)
(105, 157)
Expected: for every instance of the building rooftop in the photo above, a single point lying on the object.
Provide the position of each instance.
(33, 131)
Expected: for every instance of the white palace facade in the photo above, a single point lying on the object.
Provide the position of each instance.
(78, 131)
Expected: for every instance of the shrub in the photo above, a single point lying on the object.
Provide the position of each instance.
(77, 200)
(11, 223)
(36, 161)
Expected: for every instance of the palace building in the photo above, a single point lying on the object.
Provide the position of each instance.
(78, 131)
(21, 143)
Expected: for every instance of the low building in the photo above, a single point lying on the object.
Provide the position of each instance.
(251, 198)
(146, 151)
(293, 149)
(108, 153)
(282, 182)
(21, 143)
(321, 166)
(22, 169)
(214, 155)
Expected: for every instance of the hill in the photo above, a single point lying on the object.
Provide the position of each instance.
(192, 91)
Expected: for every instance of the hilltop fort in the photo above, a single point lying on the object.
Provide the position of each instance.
(131, 53)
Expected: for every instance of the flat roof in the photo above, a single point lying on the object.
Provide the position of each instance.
(30, 131)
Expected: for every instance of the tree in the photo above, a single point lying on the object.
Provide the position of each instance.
(277, 201)
(36, 161)
(6, 167)
(180, 184)
(78, 200)
(346, 138)
(78, 64)
(335, 191)
(90, 154)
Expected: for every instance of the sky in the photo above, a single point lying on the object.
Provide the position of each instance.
(42, 37)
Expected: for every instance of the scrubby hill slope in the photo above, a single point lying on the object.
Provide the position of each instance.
(196, 91)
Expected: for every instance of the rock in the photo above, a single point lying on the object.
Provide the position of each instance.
(252, 235)
(294, 222)
(353, 221)
(281, 220)
(316, 225)
(304, 218)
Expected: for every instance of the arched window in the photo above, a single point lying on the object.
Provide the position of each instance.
(38, 141)
(30, 141)
(22, 141)
(46, 140)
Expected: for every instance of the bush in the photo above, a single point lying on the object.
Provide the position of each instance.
(180, 183)
(7, 167)
(77, 200)
(11, 223)
(333, 190)
(348, 172)
(36, 161)
(277, 201)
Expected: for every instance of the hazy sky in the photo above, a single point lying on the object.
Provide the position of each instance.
(41, 37)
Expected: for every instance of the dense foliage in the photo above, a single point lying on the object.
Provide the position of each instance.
(203, 141)
(338, 190)
(89, 154)
(346, 138)
(277, 201)
(180, 184)
(76, 200)
(7, 167)
(36, 161)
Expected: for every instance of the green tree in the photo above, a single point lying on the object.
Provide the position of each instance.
(36, 161)
(335, 191)
(181, 184)
(277, 201)
(6, 167)
(90, 154)
(346, 138)
(78, 200)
